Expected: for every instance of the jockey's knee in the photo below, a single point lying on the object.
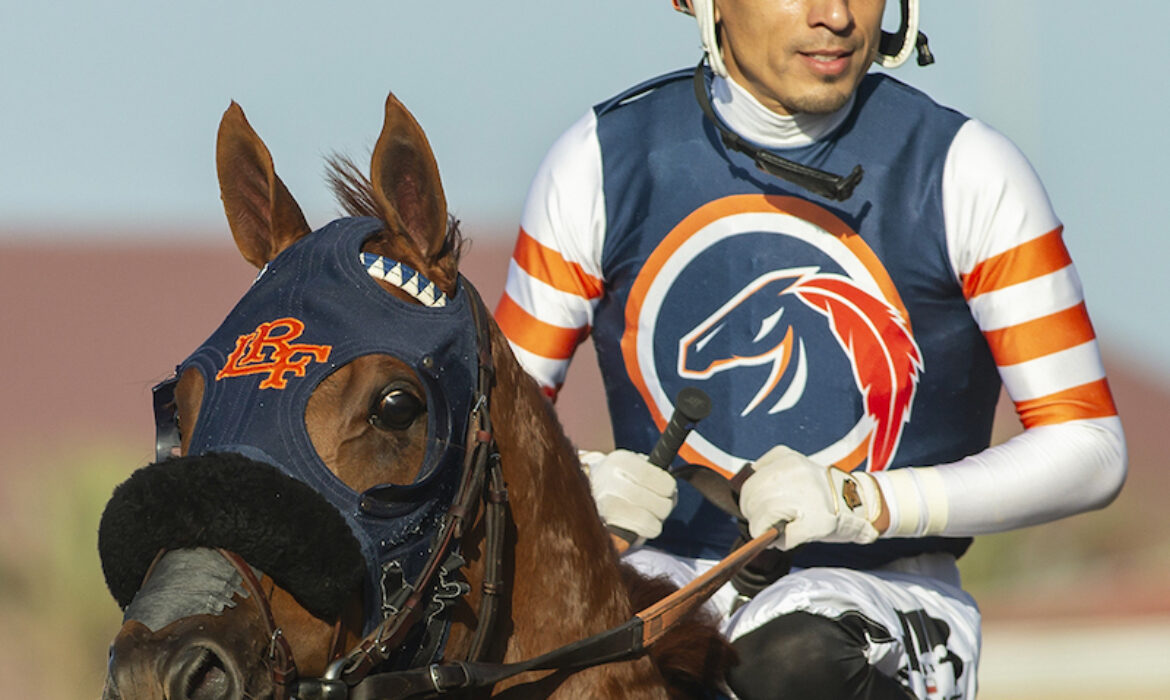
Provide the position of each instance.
(802, 655)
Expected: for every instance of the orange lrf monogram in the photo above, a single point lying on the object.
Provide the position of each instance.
(267, 350)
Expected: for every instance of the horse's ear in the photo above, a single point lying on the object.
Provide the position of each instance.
(263, 216)
(406, 184)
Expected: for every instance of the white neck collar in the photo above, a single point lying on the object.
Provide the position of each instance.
(746, 116)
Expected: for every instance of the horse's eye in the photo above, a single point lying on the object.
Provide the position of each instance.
(395, 409)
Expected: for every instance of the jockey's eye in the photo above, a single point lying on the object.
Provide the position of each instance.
(395, 408)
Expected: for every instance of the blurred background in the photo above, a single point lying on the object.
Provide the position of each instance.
(115, 260)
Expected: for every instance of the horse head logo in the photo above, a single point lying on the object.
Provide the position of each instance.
(760, 326)
(753, 332)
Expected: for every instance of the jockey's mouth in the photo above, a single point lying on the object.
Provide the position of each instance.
(829, 62)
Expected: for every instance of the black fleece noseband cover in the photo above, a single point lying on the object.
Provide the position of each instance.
(276, 523)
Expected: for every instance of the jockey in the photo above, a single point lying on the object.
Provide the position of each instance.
(851, 271)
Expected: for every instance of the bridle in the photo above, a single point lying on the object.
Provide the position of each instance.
(351, 675)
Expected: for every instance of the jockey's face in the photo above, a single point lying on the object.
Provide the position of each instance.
(799, 56)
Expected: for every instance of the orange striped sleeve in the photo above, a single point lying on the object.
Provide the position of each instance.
(550, 267)
(1027, 261)
(534, 335)
(1042, 336)
(1092, 400)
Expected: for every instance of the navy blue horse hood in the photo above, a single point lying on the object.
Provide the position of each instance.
(312, 310)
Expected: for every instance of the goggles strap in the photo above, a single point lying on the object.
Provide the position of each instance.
(830, 186)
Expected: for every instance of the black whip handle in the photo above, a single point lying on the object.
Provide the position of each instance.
(690, 406)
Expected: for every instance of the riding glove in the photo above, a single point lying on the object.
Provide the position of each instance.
(808, 501)
(630, 492)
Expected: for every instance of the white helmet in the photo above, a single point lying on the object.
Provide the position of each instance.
(893, 51)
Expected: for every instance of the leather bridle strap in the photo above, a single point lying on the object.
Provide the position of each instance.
(766, 569)
(487, 463)
(279, 653)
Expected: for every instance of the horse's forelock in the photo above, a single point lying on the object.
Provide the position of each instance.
(355, 195)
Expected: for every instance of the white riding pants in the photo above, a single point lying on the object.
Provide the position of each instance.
(923, 628)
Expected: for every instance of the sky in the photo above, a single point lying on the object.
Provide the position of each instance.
(108, 110)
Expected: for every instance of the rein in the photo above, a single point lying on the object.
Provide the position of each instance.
(623, 642)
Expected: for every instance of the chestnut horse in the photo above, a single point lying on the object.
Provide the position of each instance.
(391, 404)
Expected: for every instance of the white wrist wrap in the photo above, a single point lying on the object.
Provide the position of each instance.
(916, 499)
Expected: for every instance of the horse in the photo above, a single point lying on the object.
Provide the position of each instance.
(352, 447)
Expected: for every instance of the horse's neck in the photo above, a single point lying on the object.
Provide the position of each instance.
(566, 584)
(566, 569)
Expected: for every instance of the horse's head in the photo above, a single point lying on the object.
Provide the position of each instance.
(321, 430)
(328, 459)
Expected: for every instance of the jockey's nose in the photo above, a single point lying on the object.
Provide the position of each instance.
(198, 672)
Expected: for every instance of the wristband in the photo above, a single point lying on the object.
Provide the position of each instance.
(916, 499)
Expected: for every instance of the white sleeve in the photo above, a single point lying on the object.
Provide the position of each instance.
(555, 279)
(1006, 250)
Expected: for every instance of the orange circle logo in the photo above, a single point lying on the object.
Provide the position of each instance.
(787, 318)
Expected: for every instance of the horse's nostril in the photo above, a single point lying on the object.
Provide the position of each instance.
(199, 673)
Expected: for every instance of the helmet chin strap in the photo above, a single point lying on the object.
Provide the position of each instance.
(835, 187)
(704, 13)
(897, 46)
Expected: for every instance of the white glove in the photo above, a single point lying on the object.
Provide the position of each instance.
(630, 492)
(812, 502)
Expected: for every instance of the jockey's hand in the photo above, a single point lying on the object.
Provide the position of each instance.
(630, 492)
(809, 502)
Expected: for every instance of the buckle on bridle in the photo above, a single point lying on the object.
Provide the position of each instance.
(276, 635)
(448, 677)
(328, 687)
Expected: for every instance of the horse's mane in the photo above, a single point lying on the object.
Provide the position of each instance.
(692, 656)
(355, 194)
